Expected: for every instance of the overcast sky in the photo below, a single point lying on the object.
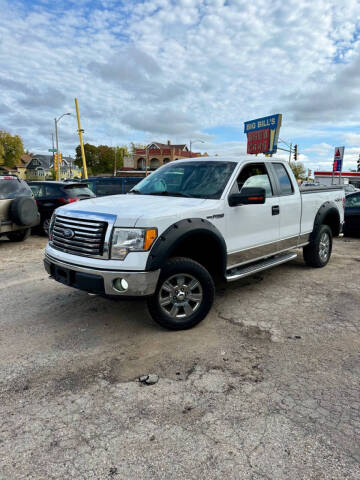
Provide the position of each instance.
(183, 69)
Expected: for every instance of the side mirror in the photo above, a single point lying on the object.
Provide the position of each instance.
(248, 196)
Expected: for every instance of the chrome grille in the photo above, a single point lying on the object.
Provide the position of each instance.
(87, 240)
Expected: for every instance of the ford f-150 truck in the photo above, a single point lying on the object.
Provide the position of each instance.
(186, 226)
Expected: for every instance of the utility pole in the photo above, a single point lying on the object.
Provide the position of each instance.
(114, 161)
(290, 153)
(80, 132)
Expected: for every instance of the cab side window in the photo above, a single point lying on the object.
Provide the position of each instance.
(286, 187)
(253, 175)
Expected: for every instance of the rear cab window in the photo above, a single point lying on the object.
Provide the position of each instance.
(12, 187)
(285, 185)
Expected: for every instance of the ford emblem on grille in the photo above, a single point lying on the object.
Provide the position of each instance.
(68, 233)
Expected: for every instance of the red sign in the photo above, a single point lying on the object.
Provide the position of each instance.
(258, 141)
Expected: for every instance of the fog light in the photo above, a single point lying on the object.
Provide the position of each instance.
(120, 284)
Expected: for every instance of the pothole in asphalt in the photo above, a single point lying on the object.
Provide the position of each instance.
(260, 330)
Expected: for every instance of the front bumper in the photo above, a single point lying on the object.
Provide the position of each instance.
(100, 281)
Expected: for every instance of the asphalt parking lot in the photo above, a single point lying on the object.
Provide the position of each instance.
(267, 387)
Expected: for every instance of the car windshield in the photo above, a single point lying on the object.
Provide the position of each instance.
(11, 187)
(198, 179)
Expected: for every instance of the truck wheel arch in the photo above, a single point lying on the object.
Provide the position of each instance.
(195, 238)
(328, 214)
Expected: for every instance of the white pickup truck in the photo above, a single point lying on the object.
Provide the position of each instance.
(187, 225)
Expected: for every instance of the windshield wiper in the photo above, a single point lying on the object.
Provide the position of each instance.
(171, 194)
(137, 192)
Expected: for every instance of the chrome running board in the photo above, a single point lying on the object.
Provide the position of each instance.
(241, 272)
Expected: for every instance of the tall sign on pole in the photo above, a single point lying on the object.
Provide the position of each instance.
(338, 161)
(263, 134)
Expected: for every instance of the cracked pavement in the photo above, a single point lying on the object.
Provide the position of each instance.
(267, 387)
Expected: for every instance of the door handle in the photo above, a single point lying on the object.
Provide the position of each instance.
(275, 210)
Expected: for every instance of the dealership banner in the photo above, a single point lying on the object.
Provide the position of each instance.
(263, 134)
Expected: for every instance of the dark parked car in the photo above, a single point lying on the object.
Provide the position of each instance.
(352, 214)
(50, 195)
(103, 186)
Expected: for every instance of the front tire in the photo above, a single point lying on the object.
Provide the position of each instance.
(19, 235)
(318, 252)
(184, 294)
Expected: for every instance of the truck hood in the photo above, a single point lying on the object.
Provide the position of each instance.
(129, 209)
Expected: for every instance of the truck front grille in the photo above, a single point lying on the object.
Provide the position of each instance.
(78, 236)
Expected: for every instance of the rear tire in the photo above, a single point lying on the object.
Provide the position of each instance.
(318, 252)
(19, 235)
(184, 294)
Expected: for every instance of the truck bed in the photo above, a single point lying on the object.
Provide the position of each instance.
(320, 188)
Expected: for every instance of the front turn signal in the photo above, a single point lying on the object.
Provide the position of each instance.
(150, 237)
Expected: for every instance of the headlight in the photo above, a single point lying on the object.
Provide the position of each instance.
(125, 240)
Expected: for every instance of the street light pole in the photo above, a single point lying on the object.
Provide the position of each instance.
(57, 120)
(193, 141)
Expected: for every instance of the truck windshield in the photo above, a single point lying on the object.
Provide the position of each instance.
(199, 179)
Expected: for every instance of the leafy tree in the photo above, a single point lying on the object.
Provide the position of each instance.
(11, 148)
(298, 170)
(106, 158)
(121, 152)
(92, 158)
(2, 151)
(101, 159)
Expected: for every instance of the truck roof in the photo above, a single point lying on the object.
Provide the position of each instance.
(229, 158)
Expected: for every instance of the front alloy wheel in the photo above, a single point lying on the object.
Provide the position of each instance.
(180, 296)
(184, 294)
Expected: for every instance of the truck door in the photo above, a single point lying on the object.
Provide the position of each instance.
(289, 206)
(252, 230)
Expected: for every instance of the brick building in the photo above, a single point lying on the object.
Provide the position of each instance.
(157, 154)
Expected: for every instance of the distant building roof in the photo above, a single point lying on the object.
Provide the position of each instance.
(46, 161)
(24, 160)
(169, 145)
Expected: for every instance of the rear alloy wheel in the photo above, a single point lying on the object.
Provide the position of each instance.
(184, 295)
(318, 252)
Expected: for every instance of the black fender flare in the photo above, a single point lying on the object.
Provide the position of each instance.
(325, 209)
(179, 231)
